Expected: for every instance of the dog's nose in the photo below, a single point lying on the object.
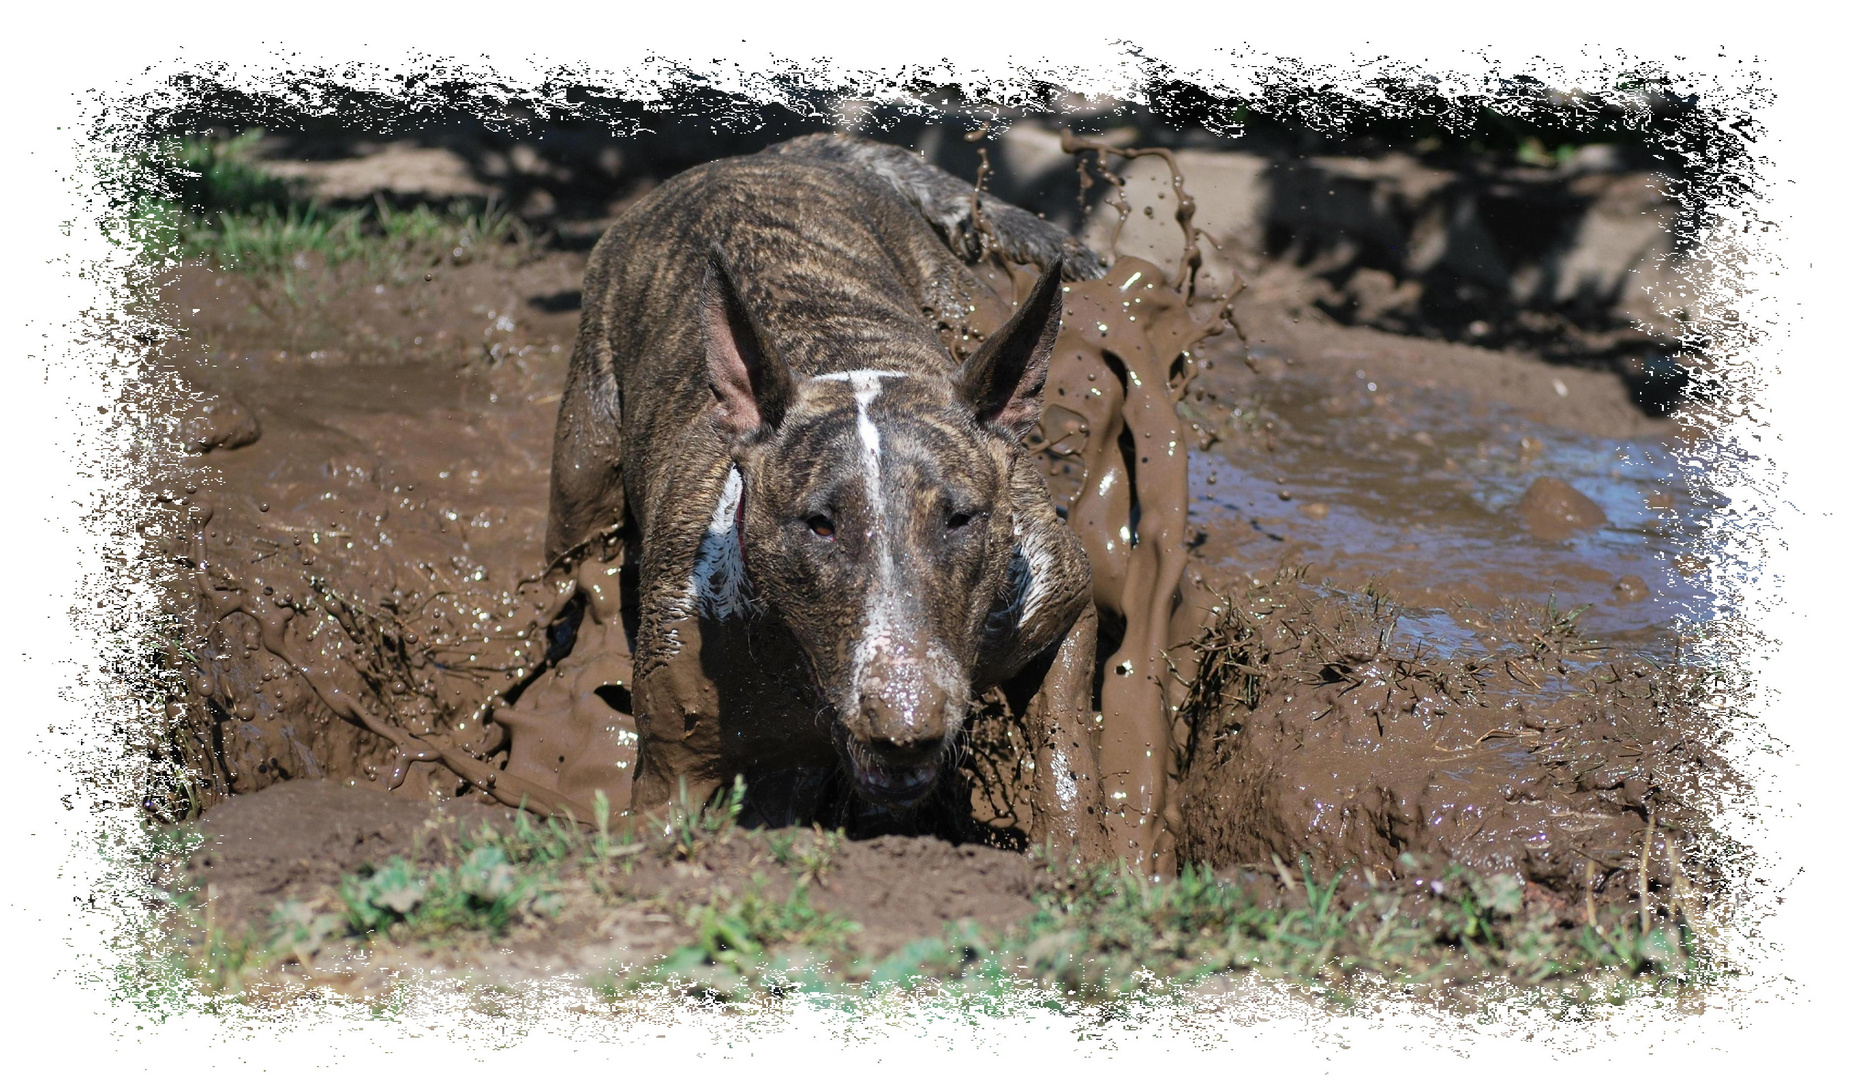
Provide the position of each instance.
(905, 752)
(903, 726)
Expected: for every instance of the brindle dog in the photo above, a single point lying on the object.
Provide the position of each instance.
(837, 535)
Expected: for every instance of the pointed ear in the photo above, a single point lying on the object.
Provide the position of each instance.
(1002, 380)
(752, 385)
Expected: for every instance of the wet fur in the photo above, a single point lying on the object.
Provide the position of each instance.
(846, 256)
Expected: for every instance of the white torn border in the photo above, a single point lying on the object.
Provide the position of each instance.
(1812, 406)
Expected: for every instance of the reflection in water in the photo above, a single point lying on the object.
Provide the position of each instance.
(1417, 490)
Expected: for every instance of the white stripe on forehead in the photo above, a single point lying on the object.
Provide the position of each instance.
(872, 375)
(884, 640)
(875, 631)
(865, 383)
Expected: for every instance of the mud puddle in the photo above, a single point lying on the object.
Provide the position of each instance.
(1446, 503)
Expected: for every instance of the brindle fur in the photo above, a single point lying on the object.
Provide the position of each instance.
(818, 259)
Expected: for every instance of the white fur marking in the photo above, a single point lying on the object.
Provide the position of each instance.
(862, 375)
(1009, 618)
(874, 632)
(882, 645)
(719, 585)
(1041, 564)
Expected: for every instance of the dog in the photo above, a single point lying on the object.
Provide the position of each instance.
(833, 532)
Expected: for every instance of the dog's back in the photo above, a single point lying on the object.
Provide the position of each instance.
(845, 249)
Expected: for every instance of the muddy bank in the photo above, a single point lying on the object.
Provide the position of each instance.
(1557, 239)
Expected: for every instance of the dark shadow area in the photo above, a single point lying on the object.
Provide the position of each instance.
(564, 300)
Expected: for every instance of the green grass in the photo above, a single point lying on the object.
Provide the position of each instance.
(209, 199)
(1102, 935)
(1105, 935)
(747, 944)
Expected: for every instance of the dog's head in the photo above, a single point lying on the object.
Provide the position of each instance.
(876, 520)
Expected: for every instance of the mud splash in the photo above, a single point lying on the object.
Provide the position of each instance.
(1116, 451)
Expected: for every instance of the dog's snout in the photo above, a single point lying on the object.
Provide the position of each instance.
(906, 750)
(907, 724)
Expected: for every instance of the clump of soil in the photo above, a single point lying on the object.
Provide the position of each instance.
(1553, 510)
(218, 422)
(300, 837)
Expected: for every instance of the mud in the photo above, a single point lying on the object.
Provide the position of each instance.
(289, 845)
(1116, 451)
(1553, 510)
(295, 838)
(363, 577)
(1319, 731)
(361, 597)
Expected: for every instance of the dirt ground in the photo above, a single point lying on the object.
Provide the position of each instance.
(1390, 519)
(294, 840)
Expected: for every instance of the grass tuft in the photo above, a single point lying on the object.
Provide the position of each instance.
(748, 945)
(210, 199)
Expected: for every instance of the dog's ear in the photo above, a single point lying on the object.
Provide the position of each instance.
(1002, 380)
(753, 385)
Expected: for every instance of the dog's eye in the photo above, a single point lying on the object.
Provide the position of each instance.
(821, 525)
(959, 520)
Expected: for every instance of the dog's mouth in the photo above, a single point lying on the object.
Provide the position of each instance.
(899, 787)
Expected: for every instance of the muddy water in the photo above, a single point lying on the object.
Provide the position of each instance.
(1420, 491)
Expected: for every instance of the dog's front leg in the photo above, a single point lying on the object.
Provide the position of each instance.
(680, 749)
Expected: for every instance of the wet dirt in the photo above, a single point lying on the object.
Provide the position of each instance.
(1319, 731)
(294, 841)
(361, 597)
(363, 577)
